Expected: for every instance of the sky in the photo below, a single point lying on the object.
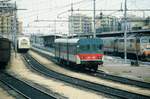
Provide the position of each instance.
(58, 9)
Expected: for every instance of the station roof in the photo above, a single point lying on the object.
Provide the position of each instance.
(51, 35)
(63, 40)
(118, 33)
(103, 34)
(81, 41)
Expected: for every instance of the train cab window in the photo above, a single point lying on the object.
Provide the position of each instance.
(82, 48)
(92, 48)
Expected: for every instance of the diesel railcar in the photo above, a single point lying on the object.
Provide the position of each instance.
(5, 51)
(136, 46)
(23, 44)
(83, 52)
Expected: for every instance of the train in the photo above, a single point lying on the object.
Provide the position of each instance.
(81, 52)
(5, 51)
(137, 47)
(23, 44)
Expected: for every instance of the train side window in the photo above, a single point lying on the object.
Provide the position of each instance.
(100, 46)
(88, 46)
(72, 49)
(63, 47)
(77, 48)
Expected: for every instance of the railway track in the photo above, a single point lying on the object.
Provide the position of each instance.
(139, 61)
(107, 76)
(82, 83)
(122, 80)
(23, 88)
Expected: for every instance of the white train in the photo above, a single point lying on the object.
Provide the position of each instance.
(139, 46)
(23, 44)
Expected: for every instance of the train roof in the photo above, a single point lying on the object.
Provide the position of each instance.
(80, 40)
(4, 39)
(19, 38)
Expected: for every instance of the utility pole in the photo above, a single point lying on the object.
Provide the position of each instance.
(2, 24)
(15, 29)
(125, 32)
(49, 28)
(72, 27)
(94, 31)
(55, 28)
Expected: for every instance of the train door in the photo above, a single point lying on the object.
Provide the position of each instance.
(115, 46)
(67, 45)
(59, 46)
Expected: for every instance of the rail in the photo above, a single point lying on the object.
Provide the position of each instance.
(82, 83)
(108, 76)
(23, 88)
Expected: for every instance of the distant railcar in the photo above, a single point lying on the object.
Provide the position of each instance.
(23, 44)
(83, 52)
(136, 46)
(5, 51)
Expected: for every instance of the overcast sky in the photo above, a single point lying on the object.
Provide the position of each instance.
(50, 9)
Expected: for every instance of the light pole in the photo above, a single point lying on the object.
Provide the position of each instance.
(55, 29)
(125, 32)
(15, 29)
(94, 32)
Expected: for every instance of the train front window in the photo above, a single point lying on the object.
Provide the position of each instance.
(88, 48)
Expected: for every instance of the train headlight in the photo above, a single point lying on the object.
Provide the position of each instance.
(99, 57)
(94, 57)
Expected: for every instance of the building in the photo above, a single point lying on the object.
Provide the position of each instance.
(5, 24)
(111, 23)
(44, 40)
(6, 18)
(79, 23)
(136, 23)
(19, 27)
(133, 23)
(107, 24)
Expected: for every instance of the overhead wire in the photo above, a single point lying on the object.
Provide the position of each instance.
(68, 5)
(47, 12)
(61, 7)
(33, 15)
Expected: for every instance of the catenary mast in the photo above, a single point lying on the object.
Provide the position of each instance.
(125, 32)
